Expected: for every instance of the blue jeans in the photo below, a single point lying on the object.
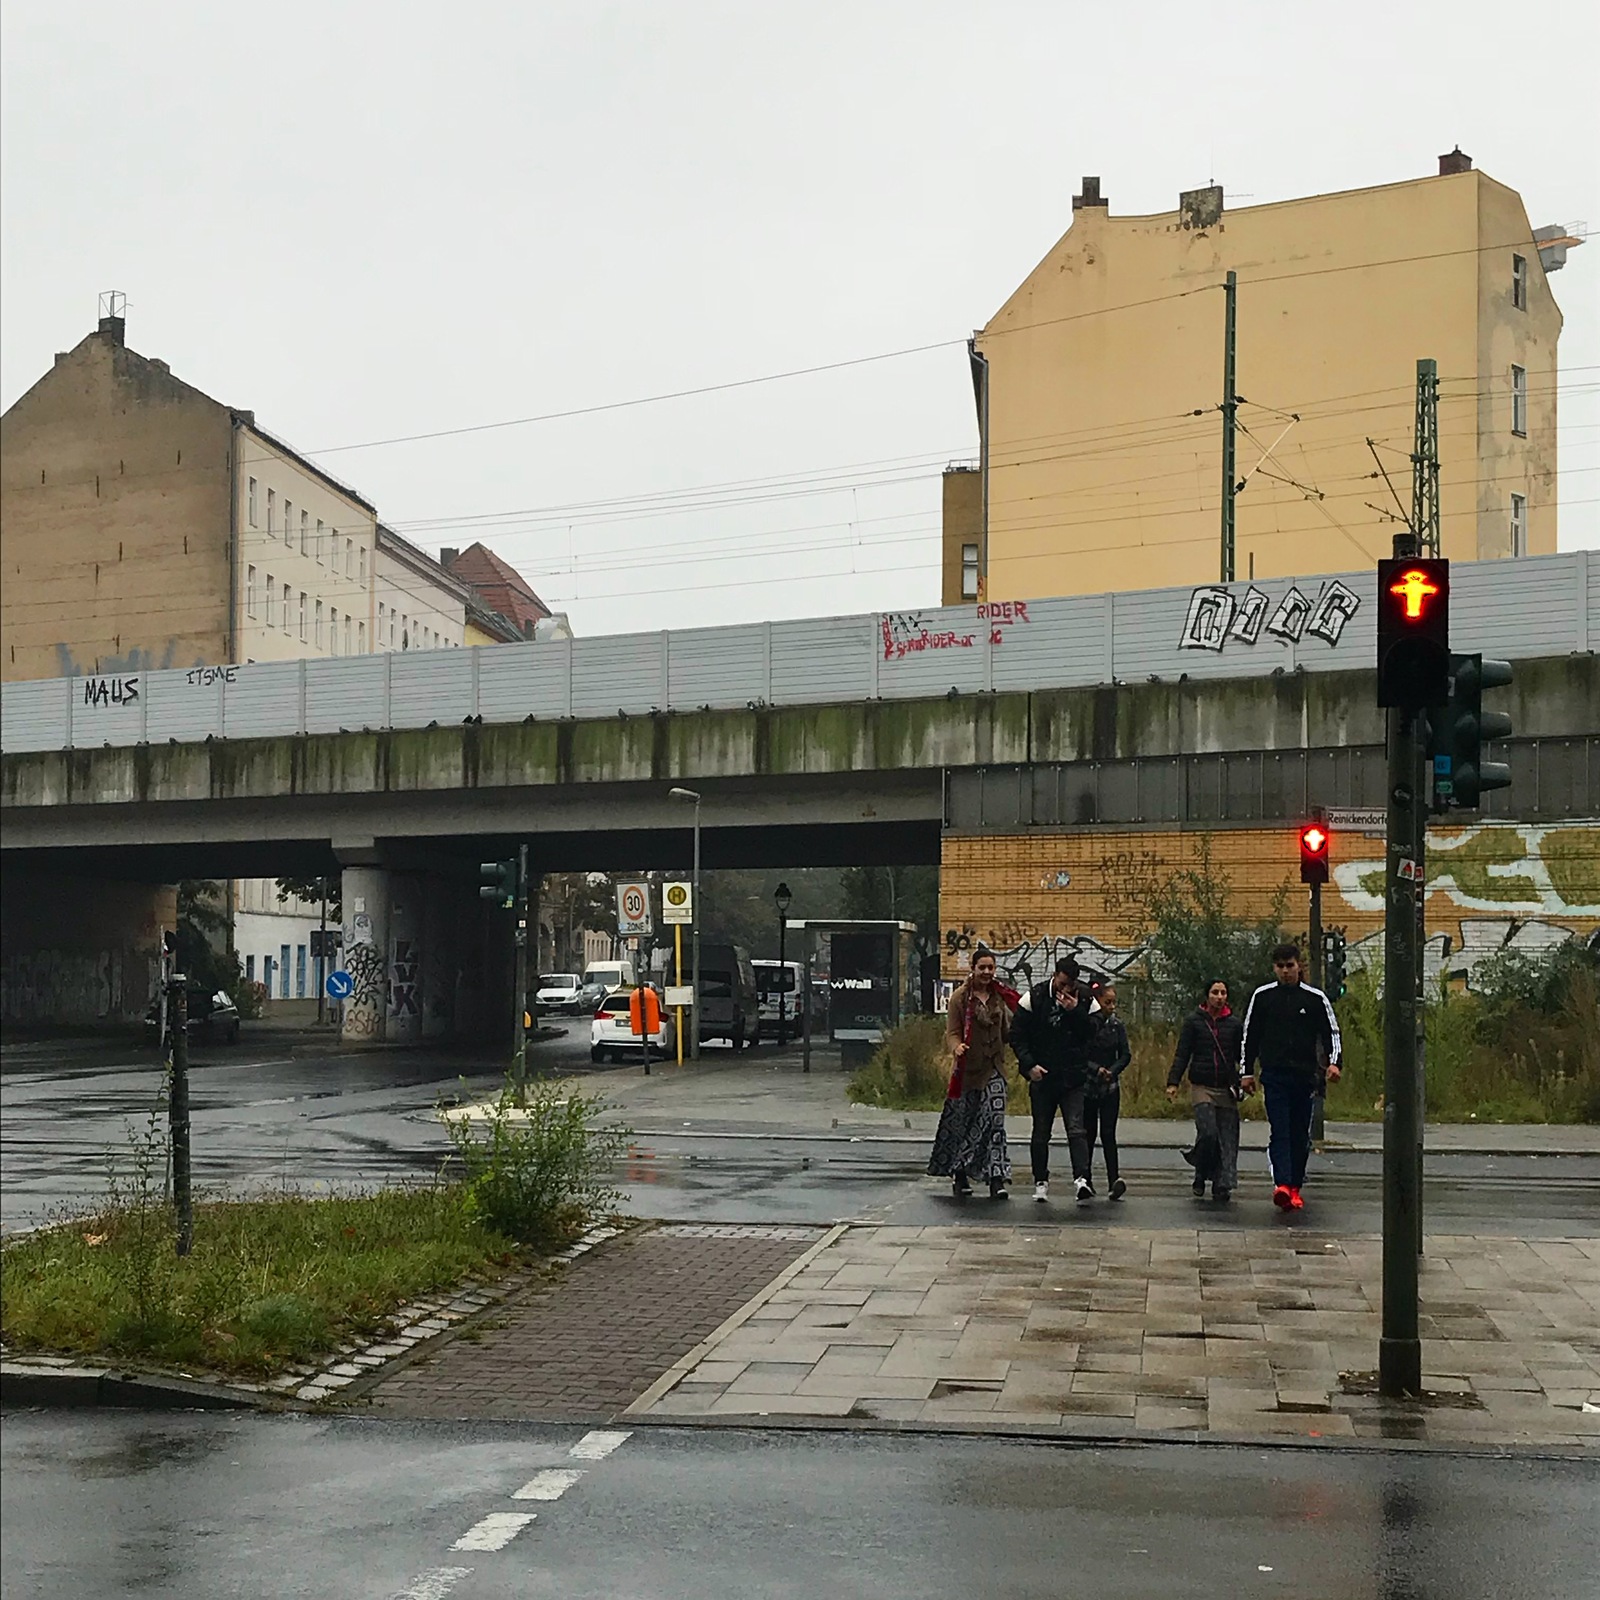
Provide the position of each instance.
(1289, 1106)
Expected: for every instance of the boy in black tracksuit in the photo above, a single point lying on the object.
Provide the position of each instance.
(1050, 1034)
(1109, 1055)
(1291, 1029)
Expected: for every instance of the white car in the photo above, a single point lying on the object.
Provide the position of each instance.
(611, 1035)
(558, 991)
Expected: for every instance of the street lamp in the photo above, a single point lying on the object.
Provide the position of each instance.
(782, 899)
(694, 962)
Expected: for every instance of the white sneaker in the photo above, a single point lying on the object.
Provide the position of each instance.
(1085, 1191)
(1041, 1191)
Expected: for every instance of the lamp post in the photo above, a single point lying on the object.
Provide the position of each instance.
(694, 959)
(782, 899)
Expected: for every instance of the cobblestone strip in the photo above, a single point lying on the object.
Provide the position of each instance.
(585, 1346)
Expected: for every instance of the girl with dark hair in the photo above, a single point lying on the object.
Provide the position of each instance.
(1208, 1052)
(971, 1141)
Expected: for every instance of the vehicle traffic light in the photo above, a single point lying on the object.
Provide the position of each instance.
(1314, 853)
(1413, 633)
(497, 881)
(1460, 774)
(1334, 980)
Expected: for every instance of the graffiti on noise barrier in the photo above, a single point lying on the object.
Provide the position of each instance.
(110, 691)
(1216, 617)
(910, 632)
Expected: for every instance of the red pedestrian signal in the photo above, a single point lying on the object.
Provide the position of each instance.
(1413, 633)
(1314, 840)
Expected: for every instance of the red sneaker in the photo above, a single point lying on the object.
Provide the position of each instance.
(1283, 1197)
(1295, 1202)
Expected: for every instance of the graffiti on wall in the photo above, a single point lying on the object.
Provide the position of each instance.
(911, 632)
(1216, 617)
(405, 989)
(75, 986)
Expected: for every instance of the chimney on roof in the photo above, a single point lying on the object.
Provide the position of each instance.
(113, 316)
(448, 555)
(1454, 162)
(1091, 198)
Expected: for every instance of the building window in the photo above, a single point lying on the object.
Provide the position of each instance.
(349, 558)
(1519, 401)
(319, 538)
(347, 633)
(319, 625)
(288, 523)
(361, 638)
(251, 503)
(1519, 282)
(272, 507)
(333, 547)
(333, 630)
(283, 972)
(300, 971)
(302, 616)
(1519, 524)
(272, 601)
(361, 566)
(392, 615)
(250, 969)
(969, 572)
(305, 532)
(250, 592)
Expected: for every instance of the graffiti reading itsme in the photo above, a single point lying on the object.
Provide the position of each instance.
(1215, 617)
(110, 691)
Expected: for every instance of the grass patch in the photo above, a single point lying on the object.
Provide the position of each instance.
(270, 1281)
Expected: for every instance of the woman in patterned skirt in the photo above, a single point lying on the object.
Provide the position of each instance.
(971, 1141)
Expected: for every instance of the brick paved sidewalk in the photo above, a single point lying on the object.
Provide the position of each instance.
(584, 1345)
(1227, 1333)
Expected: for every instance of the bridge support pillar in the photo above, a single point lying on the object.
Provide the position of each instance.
(407, 924)
(366, 948)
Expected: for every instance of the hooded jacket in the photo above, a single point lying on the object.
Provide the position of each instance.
(1208, 1050)
(1046, 1034)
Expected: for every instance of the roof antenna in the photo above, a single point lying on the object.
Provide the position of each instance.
(113, 303)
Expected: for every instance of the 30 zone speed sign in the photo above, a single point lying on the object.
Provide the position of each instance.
(633, 909)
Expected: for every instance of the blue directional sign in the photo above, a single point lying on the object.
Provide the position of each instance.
(340, 985)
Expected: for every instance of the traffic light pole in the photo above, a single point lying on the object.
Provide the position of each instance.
(1314, 939)
(520, 1002)
(1400, 1346)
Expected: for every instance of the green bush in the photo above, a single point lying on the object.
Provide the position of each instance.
(536, 1168)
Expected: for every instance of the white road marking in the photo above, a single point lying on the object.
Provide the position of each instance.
(597, 1446)
(550, 1484)
(495, 1531)
(433, 1585)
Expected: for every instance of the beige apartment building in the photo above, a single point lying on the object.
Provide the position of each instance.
(1099, 385)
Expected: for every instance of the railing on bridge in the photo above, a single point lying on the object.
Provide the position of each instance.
(1537, 606)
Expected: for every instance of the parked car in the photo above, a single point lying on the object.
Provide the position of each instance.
(611, 1035)
(212, 1017)
(613, 974)
(591, 994)
(559, 992)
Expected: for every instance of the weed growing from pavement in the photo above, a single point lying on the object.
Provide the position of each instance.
(536, 1167)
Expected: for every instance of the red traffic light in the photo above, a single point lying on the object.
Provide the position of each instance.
(1314, 840)
(1413, 632)
(1416, 591)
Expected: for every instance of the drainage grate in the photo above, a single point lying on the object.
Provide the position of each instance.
(738, 1230)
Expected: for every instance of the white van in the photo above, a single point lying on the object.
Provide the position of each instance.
(613, 974)
(775, 978)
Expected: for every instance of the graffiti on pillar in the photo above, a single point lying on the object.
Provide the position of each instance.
(363, 1011)
(405, 991)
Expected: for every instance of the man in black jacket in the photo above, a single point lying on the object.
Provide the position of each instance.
(1290, 1028)
(1050, 1034)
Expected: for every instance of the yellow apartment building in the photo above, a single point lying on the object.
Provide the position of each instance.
(1099, 386)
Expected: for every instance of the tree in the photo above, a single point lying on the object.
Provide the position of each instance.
(313, 889)
(203, 912)
(1194, 935)
(893, 894)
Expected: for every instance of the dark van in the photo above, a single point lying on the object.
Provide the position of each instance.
(730, 1007)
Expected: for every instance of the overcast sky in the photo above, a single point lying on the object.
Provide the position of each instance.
(377, 220)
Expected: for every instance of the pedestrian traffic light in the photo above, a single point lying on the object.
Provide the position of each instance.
(1314, 853)
(497, 881)
(1413, 633)
(1460, 774)
(1333, 963)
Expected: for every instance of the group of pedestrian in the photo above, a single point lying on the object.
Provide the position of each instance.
(1072, 1049)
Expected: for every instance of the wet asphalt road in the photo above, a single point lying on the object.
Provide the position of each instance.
(207, 1505)
(265, 1112)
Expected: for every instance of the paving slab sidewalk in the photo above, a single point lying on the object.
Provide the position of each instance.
(1160, 1329)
